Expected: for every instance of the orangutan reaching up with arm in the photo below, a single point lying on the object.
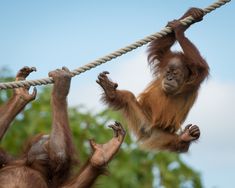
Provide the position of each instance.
(160, 110)
(17, 102)
(13, 107)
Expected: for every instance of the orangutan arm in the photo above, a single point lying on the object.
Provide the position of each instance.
(17, 102)
(102, 155)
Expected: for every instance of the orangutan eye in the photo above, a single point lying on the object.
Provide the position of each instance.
(168, 71)
(175, 72)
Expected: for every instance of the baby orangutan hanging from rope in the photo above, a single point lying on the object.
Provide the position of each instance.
(48, 159)
(159, 111)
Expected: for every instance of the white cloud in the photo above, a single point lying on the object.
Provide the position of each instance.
(214, 154)
(134, 75)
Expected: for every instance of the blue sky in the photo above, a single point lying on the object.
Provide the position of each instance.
(51, 34)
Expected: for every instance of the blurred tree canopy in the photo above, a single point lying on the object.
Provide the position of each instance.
(130, 168)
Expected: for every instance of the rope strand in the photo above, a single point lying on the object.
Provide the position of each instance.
(186, 21)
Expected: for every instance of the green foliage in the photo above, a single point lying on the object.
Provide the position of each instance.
(130, 168)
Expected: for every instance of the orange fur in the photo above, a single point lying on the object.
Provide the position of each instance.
(173, 111)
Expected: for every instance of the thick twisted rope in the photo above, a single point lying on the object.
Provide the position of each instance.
(186, 21)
